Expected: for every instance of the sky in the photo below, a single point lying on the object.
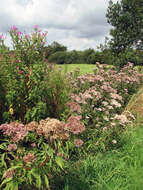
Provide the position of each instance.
(77, 24)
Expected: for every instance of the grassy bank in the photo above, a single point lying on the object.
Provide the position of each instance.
(117, 170)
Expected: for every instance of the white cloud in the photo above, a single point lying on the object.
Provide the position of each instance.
(75, 23)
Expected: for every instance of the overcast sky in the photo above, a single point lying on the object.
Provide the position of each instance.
(78, 24)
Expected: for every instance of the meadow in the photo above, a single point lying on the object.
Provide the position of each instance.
(65, 128)
(84, 68)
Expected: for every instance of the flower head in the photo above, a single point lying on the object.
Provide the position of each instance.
(12, 147)
(14, 28)
(29, 158)
(27, 36)
(19, 33)
(114, 141)
(78, 142)
(36, 27)
(9, 173)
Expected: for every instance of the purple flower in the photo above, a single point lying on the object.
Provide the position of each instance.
(14, 28)
(19, 33)
(0, 36)
(20, 72)
(36, 27)
(33, 144)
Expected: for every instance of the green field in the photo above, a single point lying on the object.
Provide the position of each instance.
(84, 68)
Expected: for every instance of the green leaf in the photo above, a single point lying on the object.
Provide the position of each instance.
(46, 181)
(38, 181)
(29, 177)
(6, 181)
(59, 162)
(37, 177)
(3, 160)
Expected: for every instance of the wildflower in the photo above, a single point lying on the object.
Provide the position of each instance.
(105, 118)
(11, 111)
(27, 36)
(64, 136)
(75, 107)
(9, 173)
(114, 141)
(116, 96)
(75, 125)
(19, 33)
(105, 103)
(20, 72)
(36, 27)
(31, 126)
(113, 124)
(0, 36)
(33, 144)
(15, 130)
(122, 119)
(115, 103)
(14, 28)
(78, 142)
(105, 129)
(12, 147)
(59, 68)
(29, 158)
(130, 64)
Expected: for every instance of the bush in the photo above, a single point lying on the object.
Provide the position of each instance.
(100, 99)
(30, 91)
(31, 154)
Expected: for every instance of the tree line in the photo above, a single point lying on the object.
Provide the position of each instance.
(125, 44)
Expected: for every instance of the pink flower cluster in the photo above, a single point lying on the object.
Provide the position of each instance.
(16, 131)
(100, 97)
(75, 125)
(29, 158)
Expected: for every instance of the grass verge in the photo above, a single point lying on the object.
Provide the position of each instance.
(117, 170)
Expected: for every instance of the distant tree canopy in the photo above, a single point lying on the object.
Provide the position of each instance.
(126, 17)
(53, 48)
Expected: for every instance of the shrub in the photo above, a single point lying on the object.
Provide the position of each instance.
(31, 87)
(31, 154)
(100, 99)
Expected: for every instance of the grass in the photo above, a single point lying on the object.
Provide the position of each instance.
(117, 170)
(84, 68)
(135, 105)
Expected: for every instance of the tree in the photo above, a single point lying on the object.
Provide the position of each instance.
(126, 17)
(53, 48)
(87, 53)
(58, 57)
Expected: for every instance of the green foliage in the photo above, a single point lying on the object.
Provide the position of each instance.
(58, 57)
(100, 99)
(29, 93)
(94, 57)
(119, 169)
(73, 57)
(53, 48)
(126, 17)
